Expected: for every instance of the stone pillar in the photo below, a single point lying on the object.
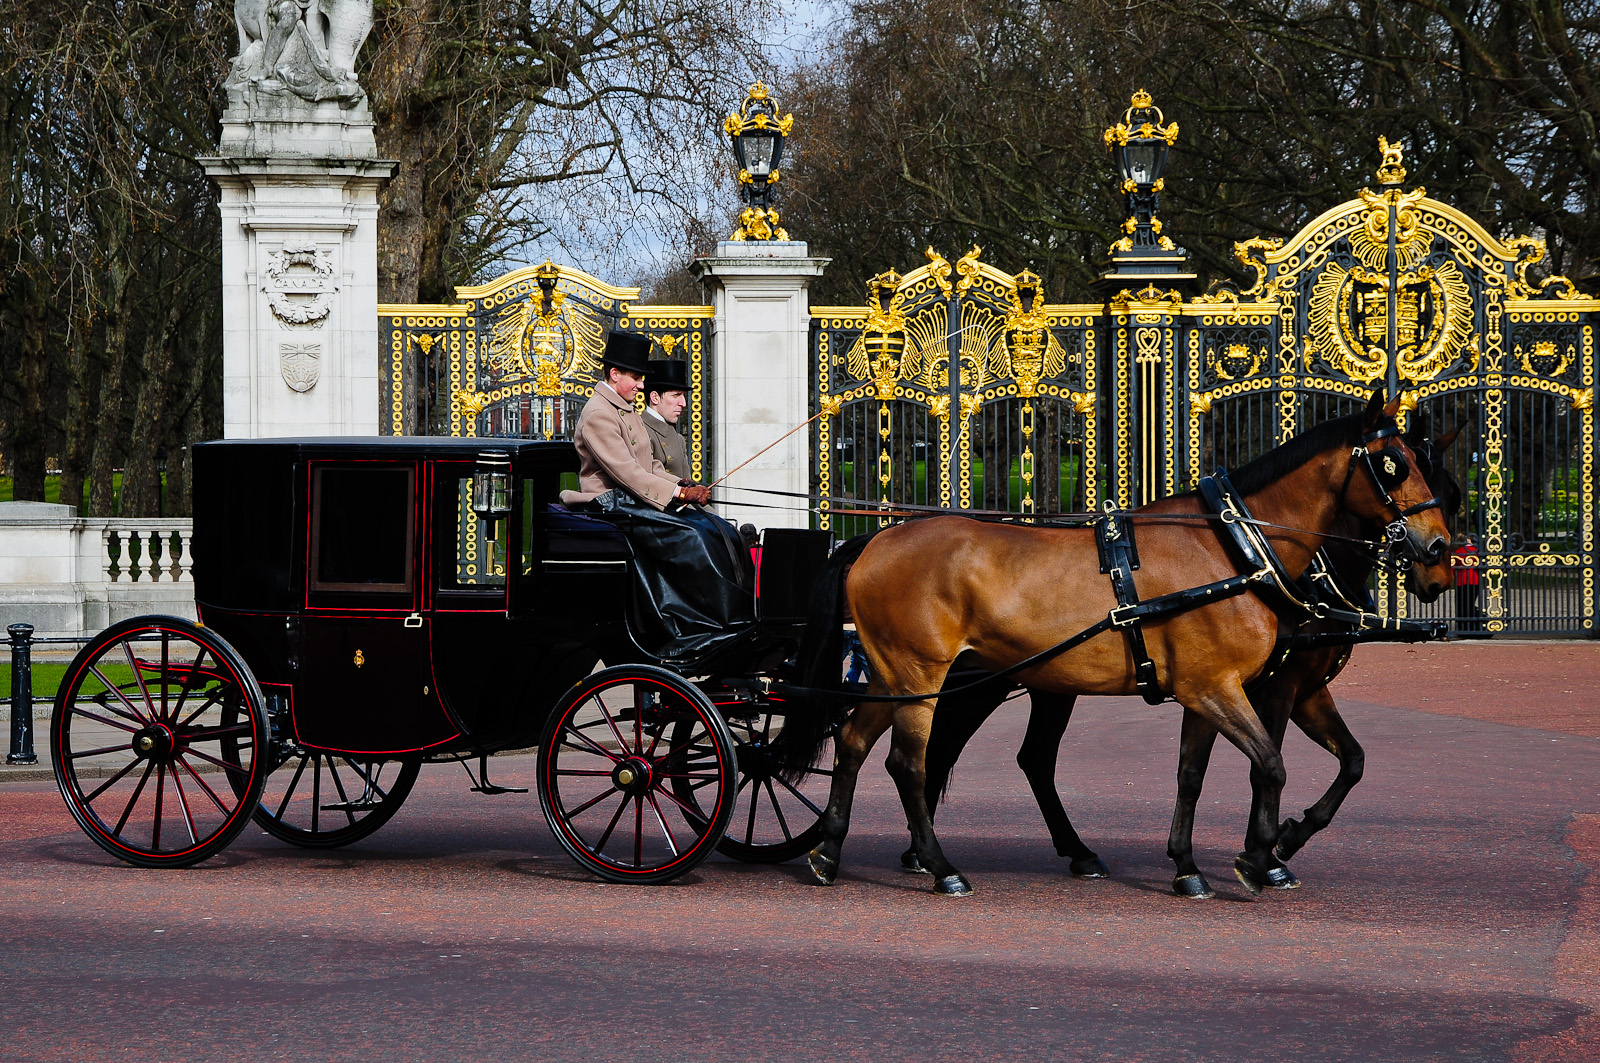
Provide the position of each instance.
(760, 376)
(299, 176)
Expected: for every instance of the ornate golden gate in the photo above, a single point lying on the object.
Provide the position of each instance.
(518, 356)
(1062, 407)
(955, 387)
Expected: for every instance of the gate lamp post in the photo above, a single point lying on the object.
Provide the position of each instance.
(758, 136)
(1142, 256)
(1139, 146)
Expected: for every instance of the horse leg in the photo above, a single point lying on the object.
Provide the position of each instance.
(1194, 755)
(955, 721)
(851, 746)
(907, 765)
(1230, 712)
(1318, 716)
(1047, 723)
(1273, 703)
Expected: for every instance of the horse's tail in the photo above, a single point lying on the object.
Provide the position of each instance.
(818, 664)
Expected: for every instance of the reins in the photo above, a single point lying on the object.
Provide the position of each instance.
(1243, 530)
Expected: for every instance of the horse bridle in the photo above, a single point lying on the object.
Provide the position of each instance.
(1396, 544)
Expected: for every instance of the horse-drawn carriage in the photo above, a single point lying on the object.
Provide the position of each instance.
(372, 604)
(368, 605)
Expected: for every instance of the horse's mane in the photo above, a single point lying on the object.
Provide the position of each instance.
(1284, 459)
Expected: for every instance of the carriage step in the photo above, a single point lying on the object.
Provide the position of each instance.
(483, 785)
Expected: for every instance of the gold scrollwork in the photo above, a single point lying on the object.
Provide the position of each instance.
(1231, 363)
(1548, 354)
(939, 270)
(1251, 254)
(1530, 252)
(470, 403)
(967, 270)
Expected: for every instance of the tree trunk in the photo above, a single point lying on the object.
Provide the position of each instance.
(80, 425)
(141, 477)
(102, 491)
(31, 434)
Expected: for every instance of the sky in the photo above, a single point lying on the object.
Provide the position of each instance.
(638, 243)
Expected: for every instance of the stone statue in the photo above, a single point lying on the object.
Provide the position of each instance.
(307, 47)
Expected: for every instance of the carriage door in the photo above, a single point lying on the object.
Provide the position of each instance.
(364, 681)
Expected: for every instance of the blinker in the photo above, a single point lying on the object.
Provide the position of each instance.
(1390, 467)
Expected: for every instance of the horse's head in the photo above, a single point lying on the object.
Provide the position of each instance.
(1388, 482)
(1430, 462)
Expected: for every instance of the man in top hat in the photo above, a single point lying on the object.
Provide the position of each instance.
(688, 563)
(666, 393)
(613, 442)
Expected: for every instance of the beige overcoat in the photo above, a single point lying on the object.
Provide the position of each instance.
(667, 445)
(614, 451)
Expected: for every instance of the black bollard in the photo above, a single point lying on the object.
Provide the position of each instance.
(21, 695)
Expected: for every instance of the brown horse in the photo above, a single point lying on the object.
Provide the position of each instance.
(926, 592)
(1295, 690)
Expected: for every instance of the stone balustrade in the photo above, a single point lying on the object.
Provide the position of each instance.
(69, 575)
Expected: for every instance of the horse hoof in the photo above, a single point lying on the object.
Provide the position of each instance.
(1194, 887)
(823, 868)
(1089, 867)
(910, 864)
(955, 885)
(1281, 878)
(1256, 879)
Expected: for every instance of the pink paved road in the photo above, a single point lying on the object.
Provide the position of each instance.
(1452, 913)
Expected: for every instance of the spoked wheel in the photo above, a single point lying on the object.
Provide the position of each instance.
(773, 820)
(325, 800)
(616, 755)
(151, 718)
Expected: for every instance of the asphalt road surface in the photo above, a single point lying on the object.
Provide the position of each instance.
(1451, 913)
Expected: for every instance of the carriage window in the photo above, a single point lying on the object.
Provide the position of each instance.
(472, 552)
(361, 529)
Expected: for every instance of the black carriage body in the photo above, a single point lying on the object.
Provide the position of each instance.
(371, 602)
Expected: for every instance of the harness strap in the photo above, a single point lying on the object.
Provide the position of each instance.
(1119, 557)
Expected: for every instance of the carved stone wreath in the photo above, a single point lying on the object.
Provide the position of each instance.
(299, 270)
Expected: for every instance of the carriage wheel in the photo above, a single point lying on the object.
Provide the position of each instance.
(150, 719)
(325, 800)
(773, 820)
(616, 754)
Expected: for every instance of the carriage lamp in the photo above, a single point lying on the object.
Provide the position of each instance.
(758, 136)
(1138, 146)
(491, 489)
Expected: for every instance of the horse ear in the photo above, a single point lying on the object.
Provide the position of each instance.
(1444, 441)
(1374, 411)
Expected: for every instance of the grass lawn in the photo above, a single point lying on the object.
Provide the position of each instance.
(47, 677)
(52, 492)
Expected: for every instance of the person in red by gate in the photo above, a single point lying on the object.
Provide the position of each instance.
(1468, 579)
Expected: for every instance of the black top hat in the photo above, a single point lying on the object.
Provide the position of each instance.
(666, 374)
(628, 351)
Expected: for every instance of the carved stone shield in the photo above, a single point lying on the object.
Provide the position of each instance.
(301, 364)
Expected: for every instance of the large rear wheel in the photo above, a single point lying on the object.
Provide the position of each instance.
(618, 755)
(159, 738)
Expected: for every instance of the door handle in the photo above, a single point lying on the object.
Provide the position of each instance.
(414, 620)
